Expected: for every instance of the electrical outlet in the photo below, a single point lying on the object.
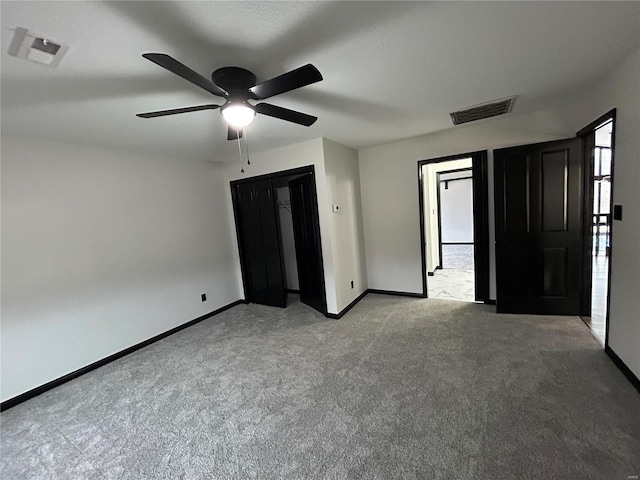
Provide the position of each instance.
(203, 297)
(351, 283)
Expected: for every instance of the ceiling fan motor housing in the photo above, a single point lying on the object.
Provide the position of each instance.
(235, 80)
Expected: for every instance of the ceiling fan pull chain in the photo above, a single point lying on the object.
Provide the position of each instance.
(246, 144)
(239, 151)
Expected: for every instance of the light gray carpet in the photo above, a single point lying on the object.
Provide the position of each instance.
(457, 256)
(397, 389)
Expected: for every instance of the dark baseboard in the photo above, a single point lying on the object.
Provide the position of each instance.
(372, 290)
(12, 402)
(623, 367)
(348, 307)
(398, 294)
(291, 290)
(490, 302)
(431, 274)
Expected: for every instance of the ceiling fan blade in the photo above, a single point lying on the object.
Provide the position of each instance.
(162, 113)
(174, 66)
(286, 114)
(286, 82)
(234, 133)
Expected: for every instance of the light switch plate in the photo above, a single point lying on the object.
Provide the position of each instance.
(617, 212)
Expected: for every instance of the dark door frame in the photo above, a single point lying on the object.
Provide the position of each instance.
(440, 211)
(480, 180)
(278, 179)
(588, 135)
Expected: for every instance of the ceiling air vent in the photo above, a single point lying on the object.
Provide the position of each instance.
(35, 48)
(485, 110)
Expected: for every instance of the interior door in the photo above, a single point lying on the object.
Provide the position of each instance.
(260, 243)
(538, 201)
(306, 233)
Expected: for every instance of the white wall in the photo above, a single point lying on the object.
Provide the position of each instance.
(430, 209)
(347, 238)
(621, 90)
(103, 249)
(389, 182)
(456, 208)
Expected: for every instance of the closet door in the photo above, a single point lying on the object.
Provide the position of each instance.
(260, 243)
(306, 232)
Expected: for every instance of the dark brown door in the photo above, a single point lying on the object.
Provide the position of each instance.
(260, 243)
(538, 201)
(306, 233)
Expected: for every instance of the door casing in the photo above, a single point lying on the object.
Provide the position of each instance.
(588, 135)
(480, 220)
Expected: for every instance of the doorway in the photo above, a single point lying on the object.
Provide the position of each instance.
(454, 227)
(455, 215)
(598, 156)
(278, 232)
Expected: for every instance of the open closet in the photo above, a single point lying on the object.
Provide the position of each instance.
(278, 232)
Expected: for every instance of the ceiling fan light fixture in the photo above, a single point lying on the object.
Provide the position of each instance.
(238, 115)
(238, 86)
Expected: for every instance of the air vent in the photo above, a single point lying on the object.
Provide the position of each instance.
(36, 48)
(485, 110)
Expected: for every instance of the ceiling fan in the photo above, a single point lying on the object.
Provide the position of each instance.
(238, 86)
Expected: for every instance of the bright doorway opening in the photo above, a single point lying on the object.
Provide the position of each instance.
(449, 229)
(601, 228)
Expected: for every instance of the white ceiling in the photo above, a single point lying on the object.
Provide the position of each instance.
(391, 70)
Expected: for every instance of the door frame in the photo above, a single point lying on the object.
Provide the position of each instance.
(278, 179)
(480, 179)
(586, 134)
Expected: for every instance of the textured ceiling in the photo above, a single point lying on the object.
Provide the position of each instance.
(391, 70)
